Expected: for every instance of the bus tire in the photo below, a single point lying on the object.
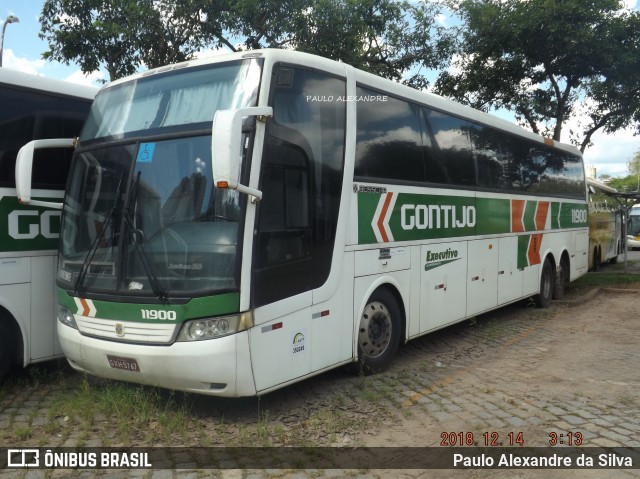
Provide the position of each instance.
(560, 279)
(547, 285)
(378, 332)
(596, 259)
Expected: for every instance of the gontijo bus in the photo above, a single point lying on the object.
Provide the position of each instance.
(33, 108)
(235, 224)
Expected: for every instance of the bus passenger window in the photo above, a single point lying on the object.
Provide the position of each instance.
(389, 144)
(453, 148)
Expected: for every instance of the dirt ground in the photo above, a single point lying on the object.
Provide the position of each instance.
(574, 369)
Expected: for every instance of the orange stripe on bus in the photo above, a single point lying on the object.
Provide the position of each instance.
(383, 213)
(533, 253)
(517, 209)
(541, 214)
(85, 307)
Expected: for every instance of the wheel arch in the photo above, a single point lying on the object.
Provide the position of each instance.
(551, 257)
(17, 333)
(565, 257)
(392, 285)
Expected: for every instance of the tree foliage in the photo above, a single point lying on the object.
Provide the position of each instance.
(385, 37)
(624, 184)
(549, 61)
(633, 165)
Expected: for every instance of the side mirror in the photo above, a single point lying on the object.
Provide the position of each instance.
(24, 166)
(226, 147)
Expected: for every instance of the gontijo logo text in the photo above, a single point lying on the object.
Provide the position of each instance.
(27, 224)
(437, 216)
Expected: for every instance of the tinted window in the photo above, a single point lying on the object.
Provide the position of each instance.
(450, 159)
(508, 162)
(26, 116)
(553, 171)
(495, 168)
(389, 141)
(301, 181)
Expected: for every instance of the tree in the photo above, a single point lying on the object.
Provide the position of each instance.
(625, 184)
(120, 35)
(385, 37)
(549, 61)
(633, 166)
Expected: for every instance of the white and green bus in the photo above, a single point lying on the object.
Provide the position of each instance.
(235, 224)
(33, 108)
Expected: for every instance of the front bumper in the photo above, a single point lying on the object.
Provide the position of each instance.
(216, 367)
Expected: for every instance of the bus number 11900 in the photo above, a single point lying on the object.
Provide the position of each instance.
(160, 314)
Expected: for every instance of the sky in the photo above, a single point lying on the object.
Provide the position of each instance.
(23, 51)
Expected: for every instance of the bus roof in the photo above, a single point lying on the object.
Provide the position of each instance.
(394, 88)
(28, 81)
(601, 186)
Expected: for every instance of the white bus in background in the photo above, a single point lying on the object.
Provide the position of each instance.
(33, 108)
(325, 217)
(633, 228)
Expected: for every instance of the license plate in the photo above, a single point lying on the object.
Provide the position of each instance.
(128, 364)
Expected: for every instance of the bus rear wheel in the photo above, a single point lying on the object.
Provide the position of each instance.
(547, 285)
(562, 274)
(379, 332)
(596, 259)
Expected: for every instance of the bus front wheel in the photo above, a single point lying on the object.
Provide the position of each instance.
(379, 332)
(7, 356)
(547, 285)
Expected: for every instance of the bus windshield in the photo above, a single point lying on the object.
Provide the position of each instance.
(141, 214)
(156, 103)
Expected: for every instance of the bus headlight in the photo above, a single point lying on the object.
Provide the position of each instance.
(210, 328)
(65, 316)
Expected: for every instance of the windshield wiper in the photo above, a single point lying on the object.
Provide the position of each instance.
(96, 241)
(157, 289)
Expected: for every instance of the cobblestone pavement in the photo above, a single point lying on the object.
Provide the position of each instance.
(567, 369)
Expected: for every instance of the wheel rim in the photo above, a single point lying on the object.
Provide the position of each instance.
(375, 330)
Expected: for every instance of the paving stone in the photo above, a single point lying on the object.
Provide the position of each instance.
(573, 420)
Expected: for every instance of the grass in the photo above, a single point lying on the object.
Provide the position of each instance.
(115, 413)
(602, 280)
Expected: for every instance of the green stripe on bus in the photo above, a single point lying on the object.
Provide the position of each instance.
(494, 216)
(26, 227)
(523, 248)
(420, 217)
(529, 218)
(209, 306)
(367, 204)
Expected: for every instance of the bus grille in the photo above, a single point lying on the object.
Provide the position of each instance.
(126, 331)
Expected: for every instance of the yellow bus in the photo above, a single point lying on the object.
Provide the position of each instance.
(605, 226)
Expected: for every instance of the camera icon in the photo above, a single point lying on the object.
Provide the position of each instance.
(23, 458)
